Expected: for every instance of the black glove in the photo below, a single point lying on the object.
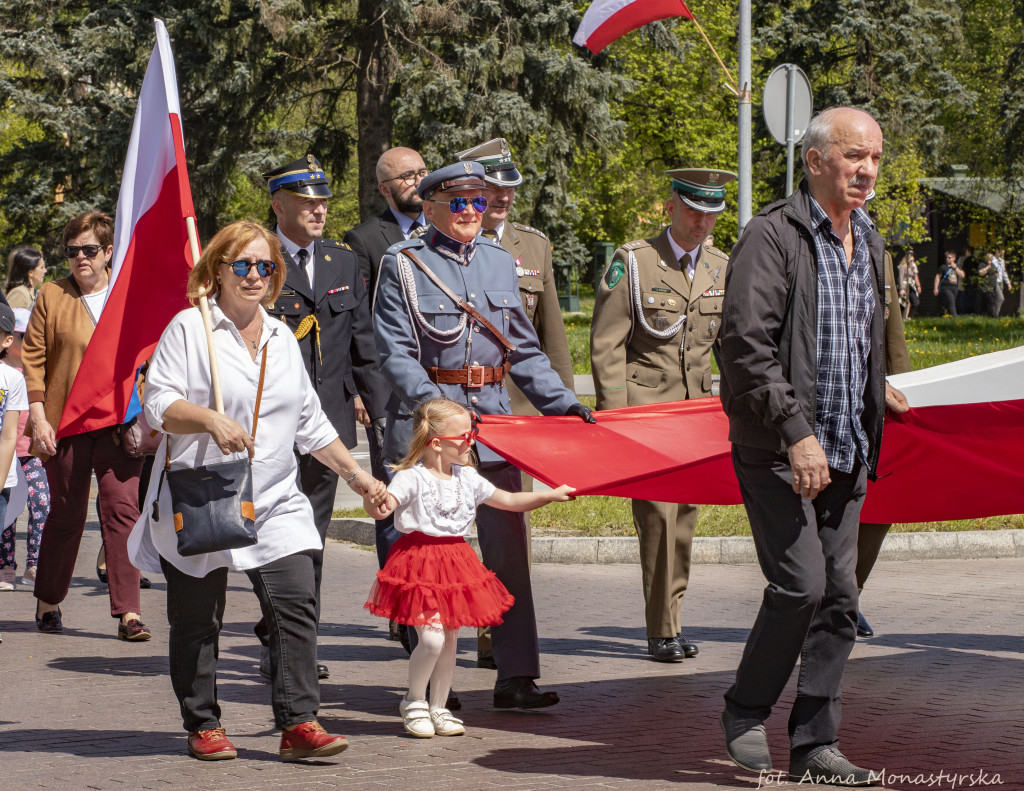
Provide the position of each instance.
(378, 431)
(582, 412)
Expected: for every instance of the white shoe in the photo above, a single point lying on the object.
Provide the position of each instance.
(416, 718)
(29, 577)
(8, 578)
(445, 724)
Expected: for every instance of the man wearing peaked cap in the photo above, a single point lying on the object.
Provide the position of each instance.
(429, 347)
(531, 254)
(324, 303)
(657, 317)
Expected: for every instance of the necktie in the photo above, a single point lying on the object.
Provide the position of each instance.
(303, 257)
(491, 234)
(416, 225)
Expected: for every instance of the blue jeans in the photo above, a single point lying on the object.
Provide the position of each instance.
(195, 612)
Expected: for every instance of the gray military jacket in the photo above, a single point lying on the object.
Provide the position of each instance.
(416, 327)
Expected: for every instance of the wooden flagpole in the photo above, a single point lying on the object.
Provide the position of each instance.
(204, 310)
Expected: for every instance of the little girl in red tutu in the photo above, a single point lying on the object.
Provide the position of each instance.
(432, 579)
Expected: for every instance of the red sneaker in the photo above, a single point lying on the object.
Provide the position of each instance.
(310, 740)
(212, 745)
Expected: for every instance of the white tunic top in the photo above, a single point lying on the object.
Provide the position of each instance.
(438, 508)
(290, 415)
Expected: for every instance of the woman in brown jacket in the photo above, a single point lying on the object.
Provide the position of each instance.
(62, 322)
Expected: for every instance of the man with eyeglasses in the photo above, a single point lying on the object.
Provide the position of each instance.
(399, 170)
(324, 303)
(656, 319)
(531, 254)
(448, 322)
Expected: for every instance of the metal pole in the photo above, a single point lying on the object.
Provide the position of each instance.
(790, 113)
(744, 120)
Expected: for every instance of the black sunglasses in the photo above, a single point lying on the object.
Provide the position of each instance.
(241, 268)
(90, 250)
(458, 205)
(410, 177)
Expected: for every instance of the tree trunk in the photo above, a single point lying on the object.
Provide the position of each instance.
(373, 105)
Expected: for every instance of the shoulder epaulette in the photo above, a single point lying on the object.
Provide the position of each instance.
(528, 229)
(335, 243)
(636, 245)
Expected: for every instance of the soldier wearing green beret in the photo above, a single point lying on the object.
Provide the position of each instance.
(658, 314)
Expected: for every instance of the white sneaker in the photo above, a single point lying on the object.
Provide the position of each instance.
(416, 718)
(29, 577)
(445, 724)
(8, 578)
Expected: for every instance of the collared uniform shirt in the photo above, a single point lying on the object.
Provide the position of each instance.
(846, 304)
(405, 223)
(691, 255)
(290, 414)
(293, 249)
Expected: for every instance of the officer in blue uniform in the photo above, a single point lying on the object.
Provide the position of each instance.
(428, 347)
(324, 303)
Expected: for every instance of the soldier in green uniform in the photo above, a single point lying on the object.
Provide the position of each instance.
(531, 252)
(657, 317)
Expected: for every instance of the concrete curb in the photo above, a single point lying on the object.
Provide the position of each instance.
(973, 545)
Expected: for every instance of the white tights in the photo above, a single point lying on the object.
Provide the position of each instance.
(433, 660)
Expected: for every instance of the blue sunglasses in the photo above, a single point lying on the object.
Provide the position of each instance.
(241, 268)
(458, 205)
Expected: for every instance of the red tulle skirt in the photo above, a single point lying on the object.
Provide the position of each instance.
(426, 577)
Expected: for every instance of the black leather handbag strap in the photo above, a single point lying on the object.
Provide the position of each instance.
(255, 417)
(462, 304)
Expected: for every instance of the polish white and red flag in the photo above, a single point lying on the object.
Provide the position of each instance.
(608, 20)
(151, 260)
(954, 455)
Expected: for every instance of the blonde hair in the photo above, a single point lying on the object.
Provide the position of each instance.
(225, 247)
(428, 422)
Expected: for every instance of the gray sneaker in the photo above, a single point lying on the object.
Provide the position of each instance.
(746, 742)
(830, 767)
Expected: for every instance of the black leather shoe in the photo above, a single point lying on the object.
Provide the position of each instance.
(485, 659)
(50, 622)
(746, 743)
(521, 693)
(664, 649)
(830, 767)
(145, 583)
(863, 627)
(690, 650)
(322, 672)
(453, 703)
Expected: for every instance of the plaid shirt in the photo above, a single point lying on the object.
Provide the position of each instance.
(846, 302)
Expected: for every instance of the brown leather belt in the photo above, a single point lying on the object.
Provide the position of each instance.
(470, 376)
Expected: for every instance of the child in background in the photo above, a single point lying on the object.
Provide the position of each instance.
(32, 466)
(13, 402)
(432, 579)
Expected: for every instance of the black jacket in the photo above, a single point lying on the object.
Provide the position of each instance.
(769, 332)
(370, 240)
(346, 365)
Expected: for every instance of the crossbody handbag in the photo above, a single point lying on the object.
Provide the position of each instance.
(213, 504)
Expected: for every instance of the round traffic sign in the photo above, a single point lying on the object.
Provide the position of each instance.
(776, 92)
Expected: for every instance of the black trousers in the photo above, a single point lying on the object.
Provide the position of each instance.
(195, 613)
(807, 550)
(319, 483)
(869, 544)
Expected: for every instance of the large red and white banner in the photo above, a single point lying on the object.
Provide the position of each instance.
(152, 259)
(955, 455)
(608, 20)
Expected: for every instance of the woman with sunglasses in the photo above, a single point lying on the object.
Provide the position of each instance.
(59, 330)
(243, 270)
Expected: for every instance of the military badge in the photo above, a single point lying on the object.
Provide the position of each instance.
(336, 290)
(531, 300)
(660, 323)
(614, 273)
(520, 271)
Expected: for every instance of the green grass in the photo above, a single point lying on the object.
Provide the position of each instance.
(930, 341)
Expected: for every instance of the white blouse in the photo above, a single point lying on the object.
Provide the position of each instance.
(438, 508)
(290, 415)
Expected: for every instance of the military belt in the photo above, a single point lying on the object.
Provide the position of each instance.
(470, 376)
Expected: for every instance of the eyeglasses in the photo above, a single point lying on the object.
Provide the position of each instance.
(242, 268)
(469, 437)
(458, 205)
(410, 177)
(90, 250)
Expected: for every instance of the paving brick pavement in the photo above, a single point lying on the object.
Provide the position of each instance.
(939, 690)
